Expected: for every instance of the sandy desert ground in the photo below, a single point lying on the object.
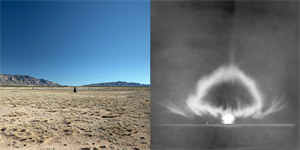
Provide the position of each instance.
(85, 120)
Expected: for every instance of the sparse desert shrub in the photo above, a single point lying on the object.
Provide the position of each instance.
(23, 139)
(103, 127)
(69, 131)
(15, 129)
(20, 134)
(3, 128)
(110, 116)
(23, 130)
(36, 120)
(68, 120)
(15, 114)
(52, 110)
(146, 104)
(42, 140)
(44, 131)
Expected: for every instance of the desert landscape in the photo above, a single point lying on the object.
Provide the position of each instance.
(49, 118)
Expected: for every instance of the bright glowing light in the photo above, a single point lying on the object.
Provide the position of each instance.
(228, 119)
(200, 106)
(197, 104)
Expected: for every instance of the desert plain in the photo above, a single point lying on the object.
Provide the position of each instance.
(59, 119)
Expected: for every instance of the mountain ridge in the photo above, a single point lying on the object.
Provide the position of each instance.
(119, 83)
(24, 80)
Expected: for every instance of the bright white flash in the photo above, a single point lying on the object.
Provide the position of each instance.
(228, 119)
(197, 104)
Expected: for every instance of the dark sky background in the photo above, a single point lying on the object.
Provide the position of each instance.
(191, 39)
(76, 42)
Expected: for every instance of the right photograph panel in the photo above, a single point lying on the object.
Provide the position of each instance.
(225, 75)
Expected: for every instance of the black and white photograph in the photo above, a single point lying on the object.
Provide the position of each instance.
(224, 74)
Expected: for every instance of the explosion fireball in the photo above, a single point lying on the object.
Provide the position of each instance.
(228, 119)
(227, 81)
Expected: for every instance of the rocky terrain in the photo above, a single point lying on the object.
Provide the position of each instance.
(17, 80)
(85, 120)
(119, 83)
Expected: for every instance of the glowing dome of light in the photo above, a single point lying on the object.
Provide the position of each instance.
(198, 104)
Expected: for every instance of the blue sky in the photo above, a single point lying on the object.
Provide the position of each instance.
(76, 42)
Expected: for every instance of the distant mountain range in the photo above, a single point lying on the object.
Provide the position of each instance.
(119, 83)
(24, 80)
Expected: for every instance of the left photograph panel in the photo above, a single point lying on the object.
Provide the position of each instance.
(75, 75)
